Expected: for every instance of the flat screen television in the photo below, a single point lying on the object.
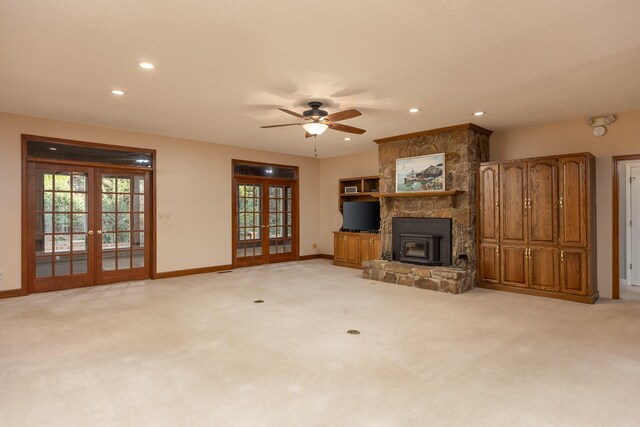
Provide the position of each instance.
(361, 216)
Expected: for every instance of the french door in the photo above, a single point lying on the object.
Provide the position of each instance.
(86, 226)
(264, 221)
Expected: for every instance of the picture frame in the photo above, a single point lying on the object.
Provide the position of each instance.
(420, 173)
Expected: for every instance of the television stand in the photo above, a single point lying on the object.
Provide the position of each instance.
(351, 248)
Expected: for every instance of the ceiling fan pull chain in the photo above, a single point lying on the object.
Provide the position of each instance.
(315, 145)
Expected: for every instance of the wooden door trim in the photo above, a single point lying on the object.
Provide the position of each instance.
(26, 160)
(615, 223)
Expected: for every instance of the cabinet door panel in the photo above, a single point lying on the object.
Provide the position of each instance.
(352, 250)
(573, 271)
(514, 266)
(339, 247)
(489, 203)
(543, 263)
(573, 201)
(513, 191)
(375, 248)
(364, 246)
(489, 268)
(542, 189)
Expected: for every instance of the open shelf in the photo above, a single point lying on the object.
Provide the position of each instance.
(366, 193)
(366, 186)
(422, 194)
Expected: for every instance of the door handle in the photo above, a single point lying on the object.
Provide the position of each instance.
(90, 232)
(99, 232)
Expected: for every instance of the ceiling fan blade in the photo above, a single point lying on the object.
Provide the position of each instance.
(345, 128)
(343, 115)
(293, 113)
(279, 126)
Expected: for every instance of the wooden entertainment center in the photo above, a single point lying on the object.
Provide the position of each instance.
(537, 224)
(351, 248)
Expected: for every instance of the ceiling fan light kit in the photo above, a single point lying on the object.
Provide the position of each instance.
(314, 128)
(319, 120)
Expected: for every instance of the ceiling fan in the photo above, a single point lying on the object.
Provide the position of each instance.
(317, 120)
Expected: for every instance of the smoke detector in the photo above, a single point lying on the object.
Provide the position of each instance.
(598, 124)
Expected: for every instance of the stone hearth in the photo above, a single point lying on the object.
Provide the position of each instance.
(441, 279)
(465, 147)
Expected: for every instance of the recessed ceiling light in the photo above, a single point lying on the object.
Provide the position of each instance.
(479, 113)
(414, 110)
(118, 92)
(146, 65)
(347, 139)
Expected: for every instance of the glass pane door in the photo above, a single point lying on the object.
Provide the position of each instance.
(122, 222)
(264, 221)
(59, 212)
(249, 223)
(280, 220)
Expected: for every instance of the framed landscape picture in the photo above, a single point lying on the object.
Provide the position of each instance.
(421, 173)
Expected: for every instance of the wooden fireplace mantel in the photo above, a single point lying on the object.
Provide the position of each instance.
(422, 193)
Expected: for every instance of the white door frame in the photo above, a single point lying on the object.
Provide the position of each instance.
(627, 225)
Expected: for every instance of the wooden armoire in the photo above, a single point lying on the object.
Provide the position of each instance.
(536, 227)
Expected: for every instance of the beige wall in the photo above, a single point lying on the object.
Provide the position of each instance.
(193, 188)
(571, 137)
(331, 170)
(194, 185)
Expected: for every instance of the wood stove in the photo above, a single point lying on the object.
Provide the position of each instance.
(420, 248)
(424, 241)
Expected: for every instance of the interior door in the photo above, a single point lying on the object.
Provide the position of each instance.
(123, 226)
(59, 227)
(264, 221)
(633, 226)
(86, 226)
(281, 222)
(248, 223)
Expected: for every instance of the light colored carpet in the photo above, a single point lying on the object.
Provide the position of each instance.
(197, 351)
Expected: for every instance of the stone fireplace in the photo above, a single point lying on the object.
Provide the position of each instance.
(465, 146)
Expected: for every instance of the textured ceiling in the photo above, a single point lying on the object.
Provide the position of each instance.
(225, 66)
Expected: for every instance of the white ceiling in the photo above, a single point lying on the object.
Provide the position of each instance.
(225, 66)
